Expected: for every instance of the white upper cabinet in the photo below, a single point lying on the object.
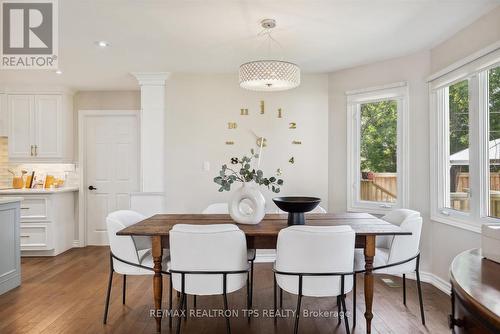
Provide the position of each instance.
(3, 116)
(48, 126)
(21, 130)
(40, 127)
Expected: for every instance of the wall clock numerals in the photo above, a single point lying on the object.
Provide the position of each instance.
(279, 172)
(296, 142)
(292, 160)
(292, 125)
(232, 125)
(262, 108)
(244, 112)
(229, 142)
(262, 142)
(280, 113)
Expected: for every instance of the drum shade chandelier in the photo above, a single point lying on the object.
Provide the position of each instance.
(269, 75)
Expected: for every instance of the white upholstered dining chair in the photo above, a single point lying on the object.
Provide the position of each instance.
(208, 260)
(223, 208)
(128, 255)
(315, 261)
(397, 255)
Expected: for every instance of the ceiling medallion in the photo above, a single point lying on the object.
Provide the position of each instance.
(269, 75)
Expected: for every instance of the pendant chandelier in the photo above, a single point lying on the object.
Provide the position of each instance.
(269, 75)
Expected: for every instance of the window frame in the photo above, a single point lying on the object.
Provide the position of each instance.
(399, 92)
(476, 72)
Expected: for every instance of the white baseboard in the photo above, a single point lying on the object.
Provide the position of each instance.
(76, 244)
(436, 281)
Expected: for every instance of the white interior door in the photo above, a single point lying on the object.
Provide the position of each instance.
(111, 168)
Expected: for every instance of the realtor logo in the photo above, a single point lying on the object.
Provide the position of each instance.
(29, 34)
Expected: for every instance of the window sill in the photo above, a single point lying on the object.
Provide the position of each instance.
(464, 225)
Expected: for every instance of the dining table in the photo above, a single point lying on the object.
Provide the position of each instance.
(264, 236)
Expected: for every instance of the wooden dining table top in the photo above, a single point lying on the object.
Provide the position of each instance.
(363, 224)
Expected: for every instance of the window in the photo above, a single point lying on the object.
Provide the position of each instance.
(377, 140)
(494, 141)
(465, 144)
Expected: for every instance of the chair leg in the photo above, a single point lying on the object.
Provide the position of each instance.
(404, 289)
(170, 303)
(354, 301)
(346, 321)
(281, 298)
(181, 307)
(339, 308)
(297, 314)
(124, 288)
(228, 325)
(419, 288)
(275, 297)
(194, 302)
(251, 284)
(108, 294)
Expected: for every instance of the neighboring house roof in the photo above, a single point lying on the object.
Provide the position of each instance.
(462, 157)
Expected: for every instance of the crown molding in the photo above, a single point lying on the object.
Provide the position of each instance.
(151, 78)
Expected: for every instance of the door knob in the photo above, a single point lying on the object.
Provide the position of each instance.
(92, 188)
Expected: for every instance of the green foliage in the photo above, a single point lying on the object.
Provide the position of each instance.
(459, 116)
(379, 136)
(245, 173)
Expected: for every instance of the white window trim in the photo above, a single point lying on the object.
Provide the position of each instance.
(476, 73)
(399, 92)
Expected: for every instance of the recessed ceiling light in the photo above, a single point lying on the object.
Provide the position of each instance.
(102, 44)
(58, 72)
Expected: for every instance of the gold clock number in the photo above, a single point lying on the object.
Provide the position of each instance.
(262, 142)
(280, 115)
(244, 112)
(232, 125)
(261, 107)
(296, 142)
(292, 125)
(229, 142)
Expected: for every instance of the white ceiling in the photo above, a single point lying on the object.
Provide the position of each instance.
(208, 36)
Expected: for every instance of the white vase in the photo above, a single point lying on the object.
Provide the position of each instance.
(247, 205)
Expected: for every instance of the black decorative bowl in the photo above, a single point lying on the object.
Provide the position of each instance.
(296, 206)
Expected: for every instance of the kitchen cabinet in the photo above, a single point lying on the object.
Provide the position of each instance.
(47, 220)
(10, 261)
(40, 127)
(3, 116)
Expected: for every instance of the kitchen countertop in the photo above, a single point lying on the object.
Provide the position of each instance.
(6, 200)
(36, 191)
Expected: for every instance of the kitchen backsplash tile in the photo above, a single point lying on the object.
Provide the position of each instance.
(5, 177)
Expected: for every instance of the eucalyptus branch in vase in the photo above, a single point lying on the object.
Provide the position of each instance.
(244, 173)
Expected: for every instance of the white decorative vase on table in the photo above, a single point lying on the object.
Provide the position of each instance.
(247, 205)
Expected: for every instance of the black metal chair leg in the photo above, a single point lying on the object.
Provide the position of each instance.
(224, 290)
(281, 298)
(251, 283)
(124, 288)
(110, 281)
(194, 302)
(346, 321)
(339, 308)
(275, 297)
(170, 303)
(404, 289)
(181, 307)
(419, 288)
(354, 301)
(297, 314)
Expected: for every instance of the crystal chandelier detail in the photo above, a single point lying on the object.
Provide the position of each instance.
(269, 75)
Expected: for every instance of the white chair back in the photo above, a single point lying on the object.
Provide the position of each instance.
(218, 247)
(122, 247)
(315, 249)
(216, 208)
(404, 246)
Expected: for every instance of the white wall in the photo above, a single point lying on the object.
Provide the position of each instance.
(414, 70)
(198, 109)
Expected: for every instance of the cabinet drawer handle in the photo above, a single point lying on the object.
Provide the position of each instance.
(452, 322)
(25, 208)
(24, 236)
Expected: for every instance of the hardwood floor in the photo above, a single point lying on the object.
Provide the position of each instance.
(66, 294)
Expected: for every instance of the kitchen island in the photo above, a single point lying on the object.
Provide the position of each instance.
(10, 259)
